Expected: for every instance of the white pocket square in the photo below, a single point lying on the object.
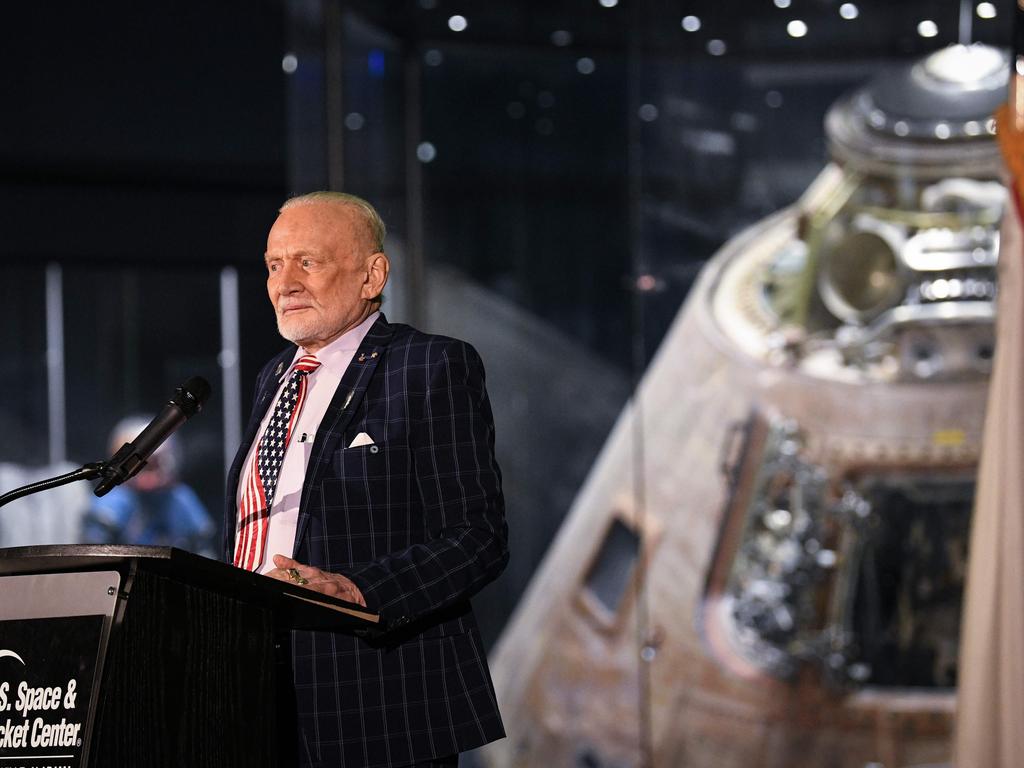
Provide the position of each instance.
(361, 439)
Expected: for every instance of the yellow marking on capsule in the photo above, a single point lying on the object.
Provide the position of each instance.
(949, 437)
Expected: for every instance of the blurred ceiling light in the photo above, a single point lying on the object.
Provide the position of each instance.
(426, 152)
(608, 3)
(433, 57)
(986, 11)
(782, 3)
(585, 66)
(849, 11)
(796, 28)
(927, 28)
(743, 121)
(561, 38)
(354, 121)
(289, 63)
(648, 113)
(716, 47)
(646, 283)
(773, 99)
(690, 23)
(457, 23)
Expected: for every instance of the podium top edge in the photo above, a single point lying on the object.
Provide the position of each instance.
(289, 600)
(119, 551)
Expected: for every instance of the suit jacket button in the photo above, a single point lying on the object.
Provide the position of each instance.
(374, 449)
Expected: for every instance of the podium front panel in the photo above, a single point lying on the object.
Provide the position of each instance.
(53, 633)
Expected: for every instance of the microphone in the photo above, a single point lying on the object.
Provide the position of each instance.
(131, 457)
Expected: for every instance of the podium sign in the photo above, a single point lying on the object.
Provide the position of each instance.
(116, 657)
(53, 634)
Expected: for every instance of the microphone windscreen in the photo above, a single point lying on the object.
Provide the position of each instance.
(191, 395)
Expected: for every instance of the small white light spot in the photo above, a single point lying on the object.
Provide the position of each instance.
(796, 28)
(900, 128)
(773, 99)
(608, 3)
(426, 152)
(986, 11)
(782, 3)
(716, 47)
(545, 99)
(433, 57)
(648, 113)
(972, 128)
(585, 66)
(290, 63)
(927, 28)
(561, 38)
(690, 23)
(457, 23)
(516, 110)
(778, 519)
(849, 11)
(354, 121)
(942, 131)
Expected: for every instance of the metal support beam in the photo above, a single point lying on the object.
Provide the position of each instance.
(334, 81)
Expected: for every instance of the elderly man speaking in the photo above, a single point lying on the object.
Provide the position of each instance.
(367, 473)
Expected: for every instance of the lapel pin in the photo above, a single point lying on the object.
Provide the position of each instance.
(374, 354)
(362, 358)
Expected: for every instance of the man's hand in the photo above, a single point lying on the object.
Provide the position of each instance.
(324, 582)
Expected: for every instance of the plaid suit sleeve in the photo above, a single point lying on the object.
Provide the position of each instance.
(459, 484)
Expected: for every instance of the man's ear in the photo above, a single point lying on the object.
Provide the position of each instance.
(378, 267)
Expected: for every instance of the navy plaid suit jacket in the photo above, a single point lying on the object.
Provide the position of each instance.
(417, 521)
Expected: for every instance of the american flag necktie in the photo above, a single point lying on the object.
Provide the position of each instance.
(261, 479)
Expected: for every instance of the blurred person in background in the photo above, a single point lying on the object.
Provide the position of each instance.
(153, 508)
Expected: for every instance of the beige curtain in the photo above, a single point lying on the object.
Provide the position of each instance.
(990, 700)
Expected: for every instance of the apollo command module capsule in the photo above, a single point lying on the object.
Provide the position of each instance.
(778, 583)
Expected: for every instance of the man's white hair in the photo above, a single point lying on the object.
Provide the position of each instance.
(374, 223)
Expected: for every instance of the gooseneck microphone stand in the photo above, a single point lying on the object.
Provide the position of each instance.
(87, 472)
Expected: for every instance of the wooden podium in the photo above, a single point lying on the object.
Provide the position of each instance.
(117, 657)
